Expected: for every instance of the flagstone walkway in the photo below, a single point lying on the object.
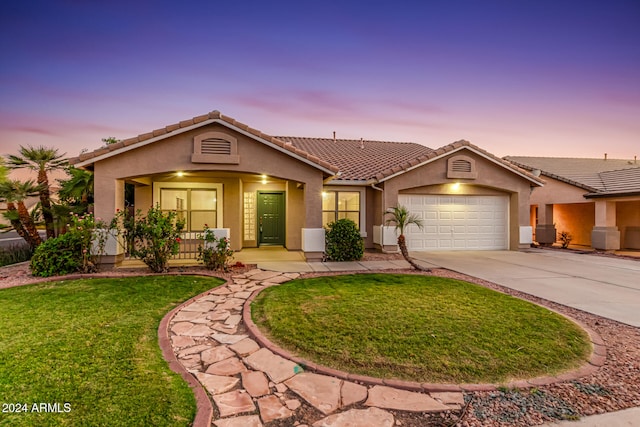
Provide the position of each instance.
(251, 386)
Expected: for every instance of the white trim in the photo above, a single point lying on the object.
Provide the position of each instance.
(464, 147)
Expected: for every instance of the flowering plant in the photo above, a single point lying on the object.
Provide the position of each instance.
(154, 237)
(214, 252)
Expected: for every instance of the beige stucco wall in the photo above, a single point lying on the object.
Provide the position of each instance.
(558, 192)
(492, 179)
(159, 161)
(576, 218)
(628, 215)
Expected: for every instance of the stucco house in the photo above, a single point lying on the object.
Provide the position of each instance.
(596, 200)
(264, 190)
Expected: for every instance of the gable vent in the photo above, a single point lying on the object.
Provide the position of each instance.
(461, 166)
(215, 146)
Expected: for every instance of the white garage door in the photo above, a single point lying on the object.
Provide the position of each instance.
(458, 222)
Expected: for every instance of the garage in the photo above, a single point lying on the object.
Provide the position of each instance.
(457, 222)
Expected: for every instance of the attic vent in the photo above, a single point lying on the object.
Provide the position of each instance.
(215, 146)
(461, 166)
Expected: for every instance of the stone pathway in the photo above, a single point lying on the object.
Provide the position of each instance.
(251, 386)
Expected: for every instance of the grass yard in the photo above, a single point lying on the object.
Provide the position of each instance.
(418, 328)
(92, 345)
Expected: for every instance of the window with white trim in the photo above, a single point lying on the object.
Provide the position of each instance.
(197, 207)
(340, 204)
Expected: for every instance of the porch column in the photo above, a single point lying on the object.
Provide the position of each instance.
(313, 233)
(545, 229)
(109, 197)
(605, 234)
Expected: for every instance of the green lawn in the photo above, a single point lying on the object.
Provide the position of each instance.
(92, 344)
(418, 328)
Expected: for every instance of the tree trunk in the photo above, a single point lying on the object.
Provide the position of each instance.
(402, 243)
(17, 225)
(45, 201)
(28, 225)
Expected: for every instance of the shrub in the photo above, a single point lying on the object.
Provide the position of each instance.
(214, 252)
(565, 239)
(343, 241)
(57, 256)
(155, 237)
(76, 250)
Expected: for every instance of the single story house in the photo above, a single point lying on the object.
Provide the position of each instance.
(264, 190)
(596, 200)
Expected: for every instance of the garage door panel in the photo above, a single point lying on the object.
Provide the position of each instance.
(458, 222)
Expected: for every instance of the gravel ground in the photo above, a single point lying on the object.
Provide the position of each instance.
(615, 386)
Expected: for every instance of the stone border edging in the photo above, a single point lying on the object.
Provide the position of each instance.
(596, 360)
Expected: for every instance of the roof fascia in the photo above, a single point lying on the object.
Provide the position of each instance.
(611, 195)
(539, 183)
(143, 143)
(195, 126)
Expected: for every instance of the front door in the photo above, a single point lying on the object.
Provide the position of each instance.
(271, 221)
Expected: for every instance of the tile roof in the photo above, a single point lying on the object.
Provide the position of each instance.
(169, 130)
(356, 160)
(598, 176)
(361, 160)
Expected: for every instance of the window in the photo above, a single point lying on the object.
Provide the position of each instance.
(194, 205)
(340, 204)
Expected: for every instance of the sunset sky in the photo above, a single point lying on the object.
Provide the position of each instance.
(544, 78)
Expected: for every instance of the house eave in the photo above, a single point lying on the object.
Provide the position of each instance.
(536, 182)
(612, 195)
(270, 144)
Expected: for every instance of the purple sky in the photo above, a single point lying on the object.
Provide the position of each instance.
(544, 78)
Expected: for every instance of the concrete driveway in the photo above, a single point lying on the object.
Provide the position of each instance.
(606, 286)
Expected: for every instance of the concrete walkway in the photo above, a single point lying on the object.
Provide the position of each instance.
(605, 286)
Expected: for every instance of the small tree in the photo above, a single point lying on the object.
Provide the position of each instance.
(155, 237)
(402, 219)
(343, 241)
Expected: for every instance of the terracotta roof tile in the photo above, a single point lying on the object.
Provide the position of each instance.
(354, 162)
(593, 175)
(215, 115)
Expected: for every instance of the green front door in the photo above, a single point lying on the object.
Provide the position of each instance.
(271, 218)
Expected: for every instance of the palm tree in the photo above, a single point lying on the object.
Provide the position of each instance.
(402, 218)
(14, 193)
(42, 160)
(78, 188)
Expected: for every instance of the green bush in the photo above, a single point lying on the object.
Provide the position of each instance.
(77, 250)
(214, 253)
(58, 256)
(155, 237)
(343, 241)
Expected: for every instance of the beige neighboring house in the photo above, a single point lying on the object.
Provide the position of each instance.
(260, 190)
(596, 200)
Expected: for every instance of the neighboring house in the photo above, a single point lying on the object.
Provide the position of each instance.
(596, 200)
(265, 190)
